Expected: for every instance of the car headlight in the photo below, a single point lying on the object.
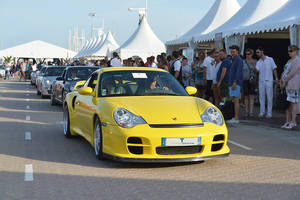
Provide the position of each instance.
(212, 115)
(126, 119)
(47, 82)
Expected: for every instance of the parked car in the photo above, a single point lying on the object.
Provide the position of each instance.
(2, 72)
(33, 77)
(39, 76)
(68, 80)
(49, 75)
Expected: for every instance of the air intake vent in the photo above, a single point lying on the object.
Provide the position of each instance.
(134, 140)
(135, 150)
(178, 150)
(216, 147)
(219, 138)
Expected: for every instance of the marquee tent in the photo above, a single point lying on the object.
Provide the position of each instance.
(92, 43)
(37, 49)
(252, 12)
(87, 43)
(219, 13)
(108, 46)
(142, 43)
(287, 16)
(93, 48)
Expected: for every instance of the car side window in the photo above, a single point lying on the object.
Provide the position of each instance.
(92, 82)
(64, 74)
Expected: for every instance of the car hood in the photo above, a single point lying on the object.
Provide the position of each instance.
(163, 110)
(50, 78)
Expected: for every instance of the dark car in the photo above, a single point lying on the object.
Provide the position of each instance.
(68, 80)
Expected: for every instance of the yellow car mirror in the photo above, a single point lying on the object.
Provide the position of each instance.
(191, 90)
(87, 91)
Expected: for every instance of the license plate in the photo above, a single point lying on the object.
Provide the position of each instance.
(181, 141)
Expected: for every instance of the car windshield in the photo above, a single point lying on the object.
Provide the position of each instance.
(54, 71)
(75, 74)
(139, 83)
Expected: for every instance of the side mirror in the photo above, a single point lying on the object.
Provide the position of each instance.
(87, 91)
(60, 78)
(79, 85)
(191, 90)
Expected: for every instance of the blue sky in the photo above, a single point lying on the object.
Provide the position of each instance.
(50, 20)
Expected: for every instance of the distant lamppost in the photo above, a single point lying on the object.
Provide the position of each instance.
(142, 11)
(92, 15)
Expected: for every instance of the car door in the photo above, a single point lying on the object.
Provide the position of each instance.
(85, 107)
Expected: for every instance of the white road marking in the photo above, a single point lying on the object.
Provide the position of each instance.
(27, 100)
(27, 107)
(27, 118)
(27, 135)
(61, 122)
(27, 91)
(28, 173)
(240, 145)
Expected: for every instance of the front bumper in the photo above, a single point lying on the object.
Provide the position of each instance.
(45, 91)
(171, 160)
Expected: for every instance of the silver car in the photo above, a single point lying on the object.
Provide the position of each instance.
(2, 72)
(45, 81)
(33, 77)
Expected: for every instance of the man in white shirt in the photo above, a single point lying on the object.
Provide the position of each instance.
(115, 62)
(266, 68)
(209, 64)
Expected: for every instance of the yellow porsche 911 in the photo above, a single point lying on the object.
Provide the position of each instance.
(144, 115)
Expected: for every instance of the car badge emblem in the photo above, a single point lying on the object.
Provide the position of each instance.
(174, 118)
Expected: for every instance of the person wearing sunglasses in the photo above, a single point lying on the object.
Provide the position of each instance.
(290, 82)
(266, 68)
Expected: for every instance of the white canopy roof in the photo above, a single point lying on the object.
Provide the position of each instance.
(93, 42)
(87, 44)
(38, 49)
(252, 12)
(107, 46)
(93, 48)
(219, 13)
(143, 43)
(286, 16)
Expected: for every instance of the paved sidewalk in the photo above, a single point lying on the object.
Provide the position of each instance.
(277, 120)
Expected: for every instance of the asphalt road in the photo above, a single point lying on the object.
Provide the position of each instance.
(38, 163)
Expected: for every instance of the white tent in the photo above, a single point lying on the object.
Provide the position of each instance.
(92, 43)
(87, 43)
(252, 12)
(99, 45)
(287, 16)
(142, 43)
(219, 13)
(38, 49)
(91, 50)
(108, 46)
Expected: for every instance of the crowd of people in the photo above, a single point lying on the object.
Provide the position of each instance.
(218, 77)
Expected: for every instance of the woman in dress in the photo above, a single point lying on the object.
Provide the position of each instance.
(249, 83)
(290, 82)
(198, 72)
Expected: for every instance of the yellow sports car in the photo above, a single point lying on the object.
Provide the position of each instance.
(144, 115)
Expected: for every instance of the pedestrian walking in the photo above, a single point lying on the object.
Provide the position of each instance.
(266, 68)
(215, 88)
(290, 82)
(249, 82)
(236, 81)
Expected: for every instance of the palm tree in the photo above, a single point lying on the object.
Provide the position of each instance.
(8, 59)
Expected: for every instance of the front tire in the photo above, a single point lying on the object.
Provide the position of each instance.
(98, 140)
(67, 131)
(52, 101)
(38, 92)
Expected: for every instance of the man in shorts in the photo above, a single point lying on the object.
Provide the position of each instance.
(235, 81)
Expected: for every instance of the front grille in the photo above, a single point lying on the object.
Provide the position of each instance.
(178, 150)
(219, 138)
(216, 147)
(135, 150)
